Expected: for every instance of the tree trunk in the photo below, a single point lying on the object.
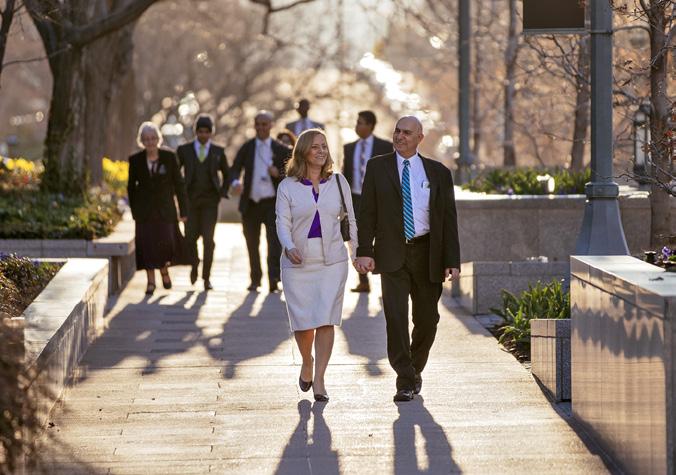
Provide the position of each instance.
(508, 149)
(65, 170)
(582, 106)
(110, 127)
(6, 17)
(660, 206)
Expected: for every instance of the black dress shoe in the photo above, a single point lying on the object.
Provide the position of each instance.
(274, 286)
(304, 385)
(253, 287)
(403, 395)
(193, 275)
(207, 285)
(321, 398)
(418, 383)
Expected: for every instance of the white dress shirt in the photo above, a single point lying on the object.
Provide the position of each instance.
(261, 181)
(301, 125)
(365, 147)
(420, 192)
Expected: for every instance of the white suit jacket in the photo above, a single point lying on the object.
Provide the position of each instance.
(296, 209)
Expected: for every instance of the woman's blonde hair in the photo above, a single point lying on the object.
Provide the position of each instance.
(297, 165)
(149, 127)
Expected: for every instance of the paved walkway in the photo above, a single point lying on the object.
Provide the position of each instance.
(187, 382)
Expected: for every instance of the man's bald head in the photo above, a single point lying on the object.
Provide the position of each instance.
(408, 133)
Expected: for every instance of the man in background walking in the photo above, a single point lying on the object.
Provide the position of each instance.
(355, 156)
(202, 161)
(304, 122)
(262, 159)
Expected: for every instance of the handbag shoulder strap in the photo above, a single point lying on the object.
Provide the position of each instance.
(340, 189)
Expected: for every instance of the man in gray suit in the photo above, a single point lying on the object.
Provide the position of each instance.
(304, 123)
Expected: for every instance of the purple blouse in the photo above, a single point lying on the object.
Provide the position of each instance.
(316, 227)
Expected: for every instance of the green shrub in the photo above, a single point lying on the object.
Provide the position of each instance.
(40, 215)
(524, 181)
(539, 301)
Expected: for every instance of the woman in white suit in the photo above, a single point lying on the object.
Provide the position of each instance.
(315, 260)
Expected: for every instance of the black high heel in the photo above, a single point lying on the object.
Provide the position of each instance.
(166, 283)
(321, 398)
(304, 385)
(150, 289)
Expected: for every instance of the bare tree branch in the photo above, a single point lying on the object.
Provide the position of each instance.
(114, 21)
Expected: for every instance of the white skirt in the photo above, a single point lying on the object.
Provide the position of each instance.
(314, 292)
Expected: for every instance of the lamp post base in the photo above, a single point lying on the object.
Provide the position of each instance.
(602, 233)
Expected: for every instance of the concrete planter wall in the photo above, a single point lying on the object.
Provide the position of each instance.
(550, 356)
(60, 324)
(624, 359)
(481, 282)
(512, 228)
(119, 248)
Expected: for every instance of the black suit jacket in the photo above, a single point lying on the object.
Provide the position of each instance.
(149, 193)
(381, 217)
(215, 159)
(380, 147)
(245, 160)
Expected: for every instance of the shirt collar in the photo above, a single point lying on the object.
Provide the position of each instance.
(206, 145)
(267, 142)
(368, 140)
(412, 160)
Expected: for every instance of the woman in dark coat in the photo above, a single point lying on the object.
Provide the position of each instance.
(154, 181)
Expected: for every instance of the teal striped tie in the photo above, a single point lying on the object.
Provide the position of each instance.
(409, 225)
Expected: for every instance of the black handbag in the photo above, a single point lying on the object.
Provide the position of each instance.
(344, 222)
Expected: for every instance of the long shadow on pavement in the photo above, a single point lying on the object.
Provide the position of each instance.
(300, 456)
(147, 330)
(435, 443)
(247, 335)
(366, 335)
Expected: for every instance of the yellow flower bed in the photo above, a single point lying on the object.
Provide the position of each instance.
(19, 173)
(115, 175)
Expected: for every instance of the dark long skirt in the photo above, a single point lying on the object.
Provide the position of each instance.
(159, 244)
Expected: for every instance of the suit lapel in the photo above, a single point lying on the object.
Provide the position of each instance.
(393, 172)
(433, 179)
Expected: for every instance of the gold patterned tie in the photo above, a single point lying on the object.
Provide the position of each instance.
(203, 152)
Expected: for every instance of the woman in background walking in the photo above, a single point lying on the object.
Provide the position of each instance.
(154, 181)
(314, 260)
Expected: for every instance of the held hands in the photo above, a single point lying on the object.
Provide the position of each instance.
(453, 273)
(364, 264)
(294, 256)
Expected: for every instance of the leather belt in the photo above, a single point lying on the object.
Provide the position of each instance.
(418, 239)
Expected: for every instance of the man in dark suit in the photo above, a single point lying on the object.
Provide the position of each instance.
(408, 208)
(202, 160)
(355, 156)
(304, 123)
(262, 159)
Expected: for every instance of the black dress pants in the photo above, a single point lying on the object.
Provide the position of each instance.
(202, 218)
(257, 214)
(408, 355)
